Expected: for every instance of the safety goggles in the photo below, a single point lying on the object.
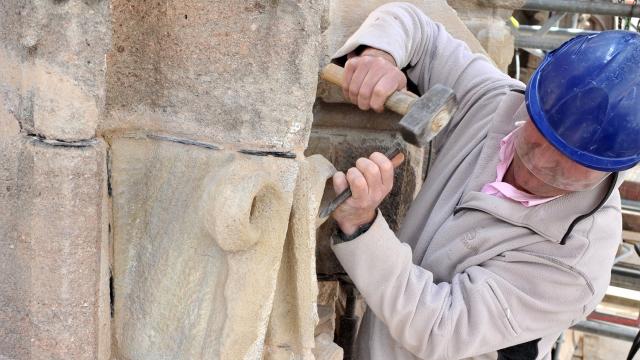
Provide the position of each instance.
(549, 165)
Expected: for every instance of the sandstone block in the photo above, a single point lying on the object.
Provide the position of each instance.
(293, 318)
(233, 72)
(198, 240)
(52, 62)
(326, 349)
(54, 299)
(327, 296)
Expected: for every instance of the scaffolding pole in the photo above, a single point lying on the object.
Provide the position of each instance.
(605, 329)
(527, 37)
(572, 6)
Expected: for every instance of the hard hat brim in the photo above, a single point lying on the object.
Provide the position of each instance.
(534, 107)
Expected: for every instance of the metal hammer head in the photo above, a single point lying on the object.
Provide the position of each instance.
(428, 115)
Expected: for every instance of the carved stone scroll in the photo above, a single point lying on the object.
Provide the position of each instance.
(198, 238)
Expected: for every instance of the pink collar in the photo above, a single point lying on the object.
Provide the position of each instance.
(505, 190)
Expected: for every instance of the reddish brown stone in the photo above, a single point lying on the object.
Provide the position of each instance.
(343, 147)
(630, 190)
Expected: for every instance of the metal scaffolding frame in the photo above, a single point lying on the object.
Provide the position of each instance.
(547, 36)
(584, 7)
(529, 37)
(626, 333)
(572, 6)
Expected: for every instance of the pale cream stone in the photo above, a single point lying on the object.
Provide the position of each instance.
(489, 24)
(198, 239)
(235, 71)
(52, 63)
(201, 268)
(294, 316)
(8, 123)
(326, 349)
(53, 250)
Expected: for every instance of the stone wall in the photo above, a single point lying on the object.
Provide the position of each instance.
(208, 112)
(158, 182)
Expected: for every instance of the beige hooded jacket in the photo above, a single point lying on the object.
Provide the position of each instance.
(469, 273)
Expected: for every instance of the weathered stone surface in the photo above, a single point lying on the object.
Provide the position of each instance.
(327, 296)
(52, 62)
(326, 349)
(293, 318)
(489, 25)
(330, 115)
(201, 268)
(234, 72)
(54, 299)
(506, 4)
(328, 292)
(343, 147)
(198, 239)
(9, 125)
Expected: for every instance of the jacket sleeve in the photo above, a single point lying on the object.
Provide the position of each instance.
(430, 53)
(507, 300)
(430, 56)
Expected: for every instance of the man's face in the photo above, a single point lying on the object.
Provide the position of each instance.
(540, 169)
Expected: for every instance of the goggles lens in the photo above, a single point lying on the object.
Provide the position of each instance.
(549, 165)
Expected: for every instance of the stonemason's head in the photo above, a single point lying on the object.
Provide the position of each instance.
(584, 115)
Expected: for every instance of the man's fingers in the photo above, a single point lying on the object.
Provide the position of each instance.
(356, 82)
(386, 86)
(369, 81)
(371, 173)
(366, 90)
(358, 184)
(349, 69)
(386, 169)
(340, 183)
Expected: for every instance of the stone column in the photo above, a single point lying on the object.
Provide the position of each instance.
(209, 110)
(54, 288)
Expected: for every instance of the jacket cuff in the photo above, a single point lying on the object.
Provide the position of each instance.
(376, 246)
(375, 37)
(340, 237)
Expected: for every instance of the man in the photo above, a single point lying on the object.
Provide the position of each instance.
(513, 235)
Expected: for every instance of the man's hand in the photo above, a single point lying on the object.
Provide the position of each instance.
(370, 182)
(369, 79)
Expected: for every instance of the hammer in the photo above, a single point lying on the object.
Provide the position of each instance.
(423, 118)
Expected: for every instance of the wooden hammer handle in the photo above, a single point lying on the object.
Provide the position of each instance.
(399, 102)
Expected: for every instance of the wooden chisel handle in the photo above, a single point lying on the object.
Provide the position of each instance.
(399, 102)
(343, 196)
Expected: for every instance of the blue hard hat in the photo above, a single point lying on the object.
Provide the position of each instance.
(585, 100)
